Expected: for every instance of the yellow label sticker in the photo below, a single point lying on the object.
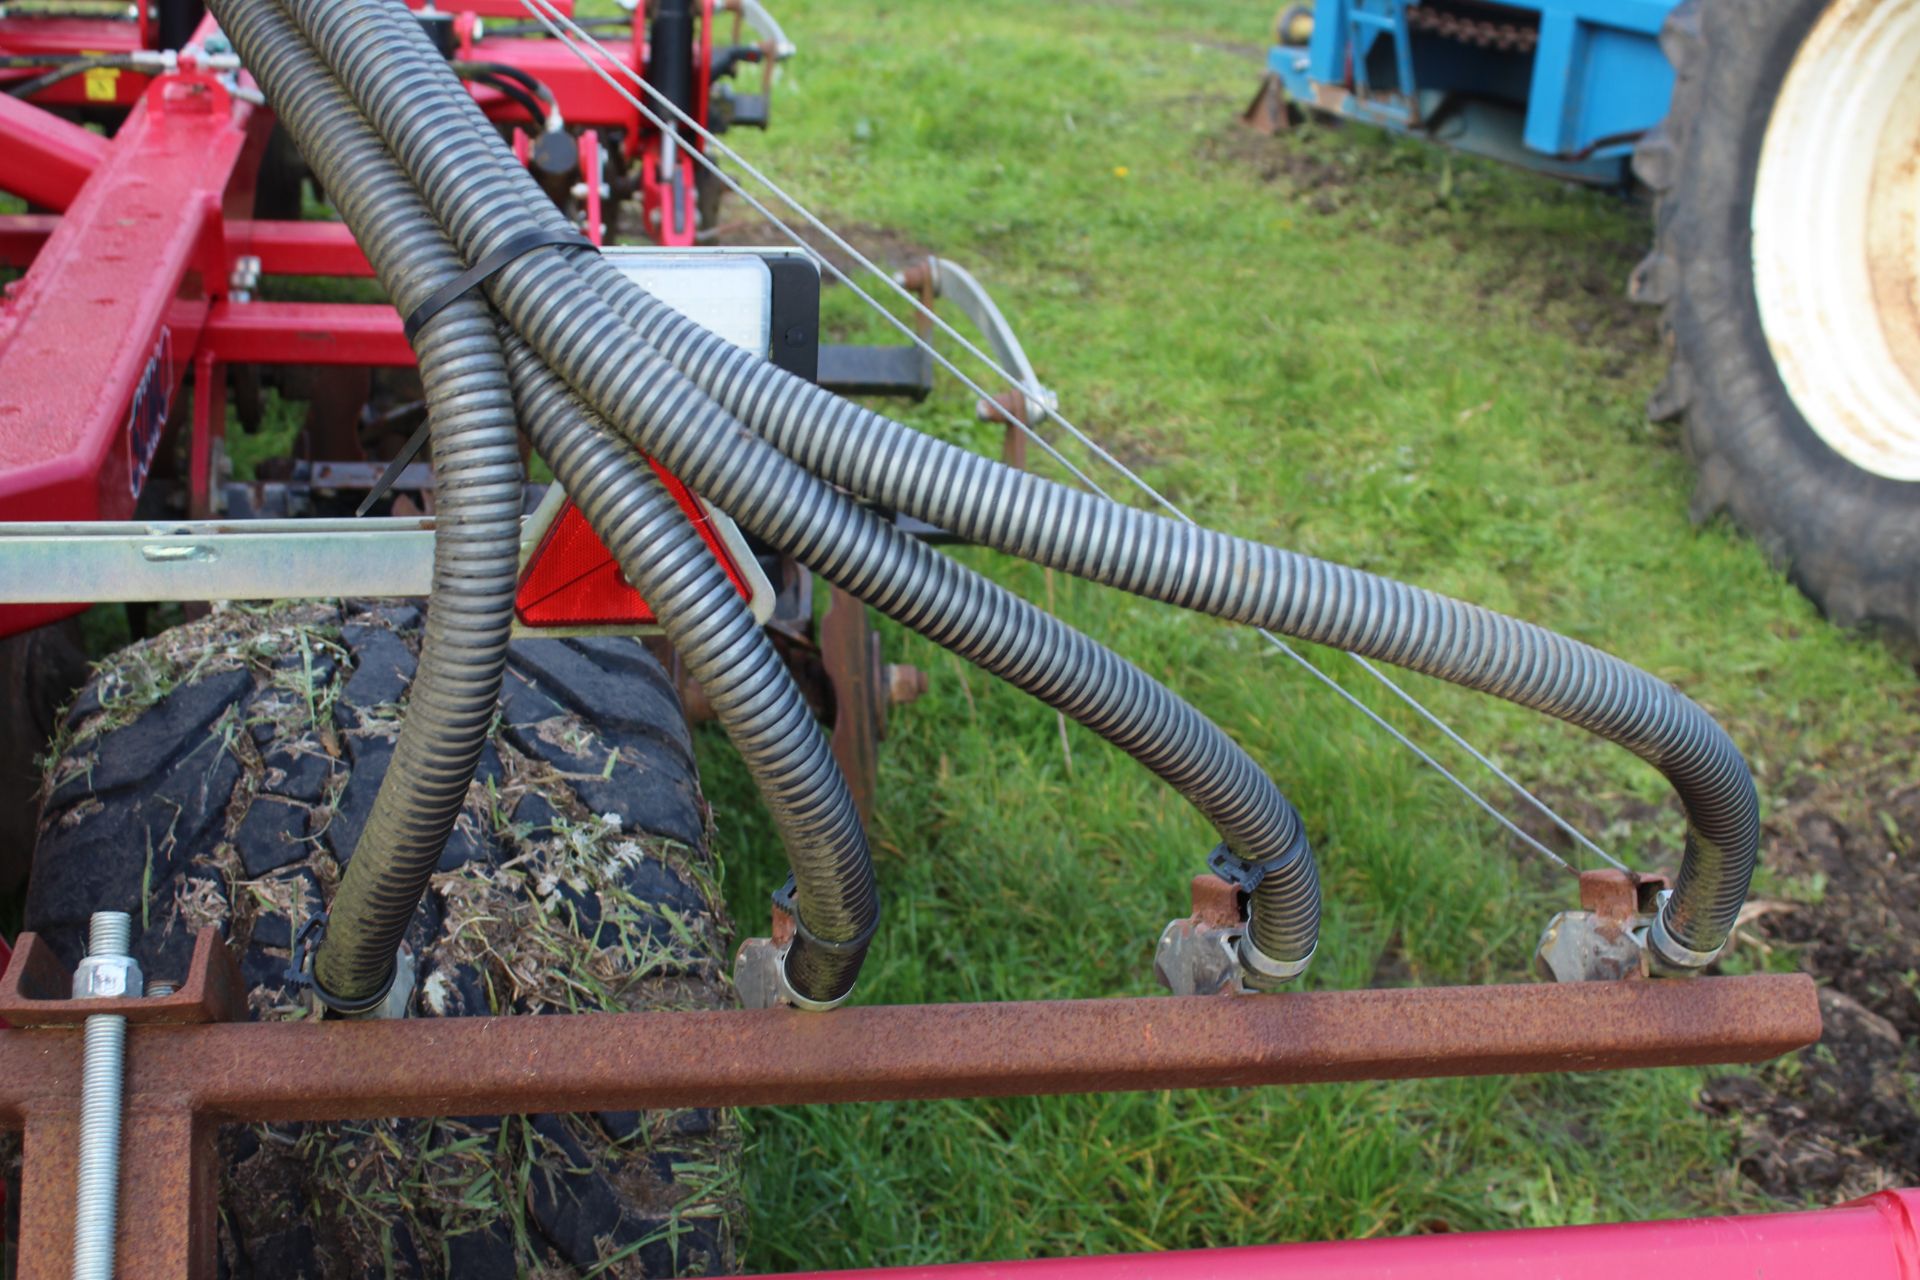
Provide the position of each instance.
(103, 84)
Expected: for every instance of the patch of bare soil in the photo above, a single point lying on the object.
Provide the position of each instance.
(1319, 175)
(1841, 845)
(1842, 1118)
(1573, 282)
(1578, 283)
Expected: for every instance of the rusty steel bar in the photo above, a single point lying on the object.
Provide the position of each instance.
(185, 1079)
(357, 1070)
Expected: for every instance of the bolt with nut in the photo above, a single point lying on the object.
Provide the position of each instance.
(108, 972)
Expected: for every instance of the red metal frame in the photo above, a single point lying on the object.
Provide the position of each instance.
(126, 284)
(97, 337)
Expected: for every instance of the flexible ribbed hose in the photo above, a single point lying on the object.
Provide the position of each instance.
(752, 692)
(740, 672)
(427, 120)
(1243, 581)
(478, 479)
(1283, 591)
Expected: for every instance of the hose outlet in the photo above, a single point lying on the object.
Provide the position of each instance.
(1667, 955)
(1211, 952)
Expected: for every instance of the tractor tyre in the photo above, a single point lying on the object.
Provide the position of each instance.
(220, 774)
(1785, 272)
(39, 671)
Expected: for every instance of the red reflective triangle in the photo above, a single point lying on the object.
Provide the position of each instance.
(572, 580)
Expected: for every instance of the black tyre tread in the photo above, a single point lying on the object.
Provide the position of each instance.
(1850, 540)
(219, 775)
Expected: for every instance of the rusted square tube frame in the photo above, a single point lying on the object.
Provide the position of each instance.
(184, 1080)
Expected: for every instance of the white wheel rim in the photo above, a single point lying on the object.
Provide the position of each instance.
(1836, 233)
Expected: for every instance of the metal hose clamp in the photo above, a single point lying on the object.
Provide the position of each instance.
(1668, 954)
(299, 972)
(785, 898)
(787, 995)
(1265, 966)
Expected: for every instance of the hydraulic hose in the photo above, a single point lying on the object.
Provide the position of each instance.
(458, 172)
(507, 71)
(66, 70)
(456, 687)
(514, 92)
(531, 93)
(748, 685)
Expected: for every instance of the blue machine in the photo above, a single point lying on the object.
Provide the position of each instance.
(1562, 86)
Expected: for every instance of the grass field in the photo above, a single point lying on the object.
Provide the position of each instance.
(1346, 346)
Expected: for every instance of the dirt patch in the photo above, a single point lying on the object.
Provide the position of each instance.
(1413, 192)
(1840, 1119)
(1578, 283)
(1317, 173)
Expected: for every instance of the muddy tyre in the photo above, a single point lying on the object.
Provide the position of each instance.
(220, 774)
(1780, 176)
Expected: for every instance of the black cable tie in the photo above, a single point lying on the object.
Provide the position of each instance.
(1241, 874)
(391, 476)
(480, 272)
(305, 943)
(436, 302)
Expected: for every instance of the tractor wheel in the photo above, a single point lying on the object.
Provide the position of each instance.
(39, 671)
(220, 774)
(1785, 265)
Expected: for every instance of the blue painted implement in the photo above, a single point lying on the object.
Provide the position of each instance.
(1562, 86)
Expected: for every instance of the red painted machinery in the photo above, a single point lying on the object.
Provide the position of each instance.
(145, 252)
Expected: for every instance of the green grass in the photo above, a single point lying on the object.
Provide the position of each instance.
(1344, 345)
